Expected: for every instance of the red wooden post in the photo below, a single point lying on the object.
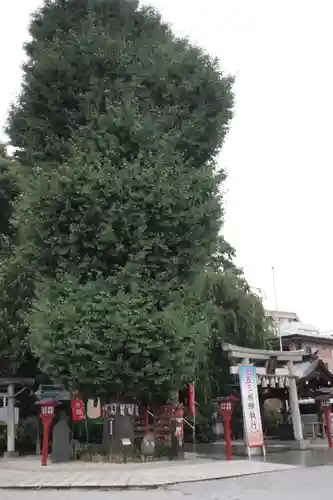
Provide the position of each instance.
(45, 446)
(46, 413)
(227, 431)
(226, 411)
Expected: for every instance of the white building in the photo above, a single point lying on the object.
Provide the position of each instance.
(296, 335)
(279, 317)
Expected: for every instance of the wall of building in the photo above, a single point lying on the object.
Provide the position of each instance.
(287, 323)
(325, 351)
(279, 317)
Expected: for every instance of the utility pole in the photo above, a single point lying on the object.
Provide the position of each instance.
(276, 308)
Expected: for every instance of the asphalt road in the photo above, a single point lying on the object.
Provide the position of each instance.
(303, 483)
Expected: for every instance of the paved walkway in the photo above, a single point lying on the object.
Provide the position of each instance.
(306, 484)
(28, 474)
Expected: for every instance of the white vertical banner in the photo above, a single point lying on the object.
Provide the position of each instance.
(250, 404)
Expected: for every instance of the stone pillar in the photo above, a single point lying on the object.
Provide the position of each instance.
(38, 443)
(294, 406)
(10, 423)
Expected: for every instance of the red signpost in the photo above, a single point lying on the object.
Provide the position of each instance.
(226, 407)
(46, 414)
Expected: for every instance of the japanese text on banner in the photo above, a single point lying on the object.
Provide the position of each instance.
(250, 404)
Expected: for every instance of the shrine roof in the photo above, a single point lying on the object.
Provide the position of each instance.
(17, 381)
(310, 369)
(288, 337)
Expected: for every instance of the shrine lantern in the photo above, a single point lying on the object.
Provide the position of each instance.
(226, 406)
(47, 409)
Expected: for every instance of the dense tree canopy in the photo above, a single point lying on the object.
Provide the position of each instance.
(111, 63)
(15, 283)
(113, 271)
(120, 123)
(8, 193)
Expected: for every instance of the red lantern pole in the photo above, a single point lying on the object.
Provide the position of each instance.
(227, 430)
(45, 446)
(46, 413)
(226, 412)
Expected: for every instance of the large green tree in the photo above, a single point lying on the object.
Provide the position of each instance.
(120, 123)
(15, 281)
(8, 193)
(236, 315)
(239, 316)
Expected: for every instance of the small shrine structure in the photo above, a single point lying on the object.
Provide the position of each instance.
(274, 369)
(295, 375)
(313, 377)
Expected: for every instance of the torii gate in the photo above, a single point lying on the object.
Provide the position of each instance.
(10, 414)
(271, 375)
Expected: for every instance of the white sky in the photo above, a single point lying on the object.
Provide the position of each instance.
(279, 151)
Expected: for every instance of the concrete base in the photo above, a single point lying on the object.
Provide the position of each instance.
(276, 447)
(298, 445)
(240, 450)
(11, 454)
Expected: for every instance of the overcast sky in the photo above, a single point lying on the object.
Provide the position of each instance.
(278, 155)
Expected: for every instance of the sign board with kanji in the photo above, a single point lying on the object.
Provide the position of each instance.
(250, 403)
(47, 410)
(77, 407)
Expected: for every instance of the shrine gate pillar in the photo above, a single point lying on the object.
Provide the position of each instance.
(11, 422)
(294, 406)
